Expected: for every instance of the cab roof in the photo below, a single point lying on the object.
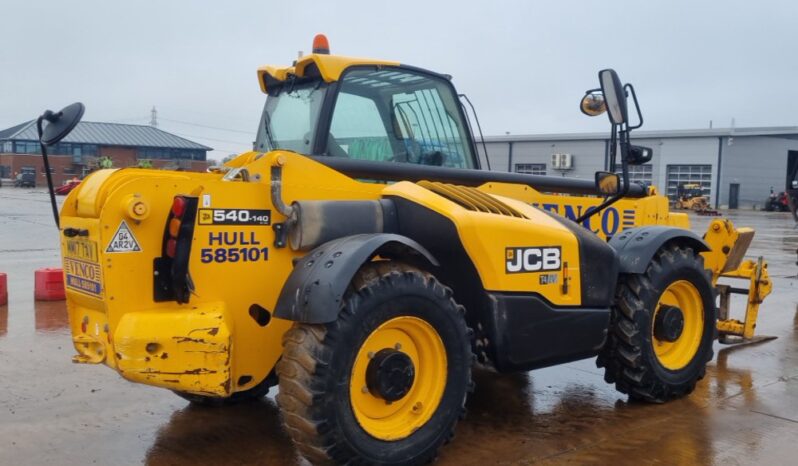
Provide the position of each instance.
(328, 67)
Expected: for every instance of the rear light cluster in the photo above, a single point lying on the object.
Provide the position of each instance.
(173, 227)
(173, 282)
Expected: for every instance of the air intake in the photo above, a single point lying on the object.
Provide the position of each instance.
(471, 198)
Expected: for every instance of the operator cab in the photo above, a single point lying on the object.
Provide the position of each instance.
(374, 112)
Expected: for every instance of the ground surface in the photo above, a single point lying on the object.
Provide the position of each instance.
(54, 412)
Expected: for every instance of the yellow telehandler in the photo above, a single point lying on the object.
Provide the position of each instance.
(359, 258)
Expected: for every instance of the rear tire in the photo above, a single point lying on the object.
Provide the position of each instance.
(658, 368)
(331, 408)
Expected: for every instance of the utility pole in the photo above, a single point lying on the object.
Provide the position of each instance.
(154, 117)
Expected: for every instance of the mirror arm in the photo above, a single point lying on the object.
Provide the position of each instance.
(49, 116)
(637, 106)
(613, 148)
(624, 143)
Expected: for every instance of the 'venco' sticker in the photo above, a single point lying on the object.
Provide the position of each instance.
(235, 217)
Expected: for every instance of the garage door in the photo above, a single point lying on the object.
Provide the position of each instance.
(689, 174)
(639, 174)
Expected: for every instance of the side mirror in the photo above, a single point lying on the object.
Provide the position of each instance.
(638, 155)
(614, 96)
(60, 124)
(608, 183)
(593, 103)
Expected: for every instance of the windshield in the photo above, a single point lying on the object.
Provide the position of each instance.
(380, 114)
(289, 118)
(398, 115)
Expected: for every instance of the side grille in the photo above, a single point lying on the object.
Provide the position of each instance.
(471, 198)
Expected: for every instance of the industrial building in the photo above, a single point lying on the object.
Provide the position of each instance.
(79, 153)
(736, 167)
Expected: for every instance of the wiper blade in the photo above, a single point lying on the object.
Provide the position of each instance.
(268, 130)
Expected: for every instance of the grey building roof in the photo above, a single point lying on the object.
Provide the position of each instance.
(108, 134)
(778, 131)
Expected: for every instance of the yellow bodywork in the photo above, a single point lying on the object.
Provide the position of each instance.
(330, 67)
(726, 260)
(213, 345)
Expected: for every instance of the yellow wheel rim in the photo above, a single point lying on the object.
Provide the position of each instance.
(675, 355)
(396, 420)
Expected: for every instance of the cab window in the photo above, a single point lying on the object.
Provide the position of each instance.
(397, 115)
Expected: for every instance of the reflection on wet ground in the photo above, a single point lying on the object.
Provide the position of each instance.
(249, 434)
(51, 316)
(3, 320)
(744, 411)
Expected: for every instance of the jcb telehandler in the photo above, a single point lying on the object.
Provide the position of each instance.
(359, 258)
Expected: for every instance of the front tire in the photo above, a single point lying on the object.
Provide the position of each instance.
(649, 354)
(387, 381)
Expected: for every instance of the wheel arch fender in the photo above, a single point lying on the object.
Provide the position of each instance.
(637, 246)
(314, 291)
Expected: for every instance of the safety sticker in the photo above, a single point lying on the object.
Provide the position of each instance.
(235, 217)
(123, 240)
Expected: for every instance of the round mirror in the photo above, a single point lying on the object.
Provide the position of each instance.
(61, 123)
(593, 104)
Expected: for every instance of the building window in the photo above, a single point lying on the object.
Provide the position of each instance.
(26, 147)
(62, 148)
(5, 171)
(531, 168)
(640, 174)
(689, 174)
(8, 146)
(169, 154)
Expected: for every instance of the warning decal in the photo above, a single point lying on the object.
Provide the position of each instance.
(123, 240)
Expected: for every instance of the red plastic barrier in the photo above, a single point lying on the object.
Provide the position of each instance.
(49, 285)
(3, 289)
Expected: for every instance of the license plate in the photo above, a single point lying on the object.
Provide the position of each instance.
(81, 267)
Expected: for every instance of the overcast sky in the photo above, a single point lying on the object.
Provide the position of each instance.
(525, 64)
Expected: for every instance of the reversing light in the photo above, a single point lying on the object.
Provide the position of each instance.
(321, 45)
(171, 247)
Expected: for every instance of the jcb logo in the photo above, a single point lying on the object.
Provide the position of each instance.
(519, 260)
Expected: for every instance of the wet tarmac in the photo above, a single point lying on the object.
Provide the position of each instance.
(53, 412)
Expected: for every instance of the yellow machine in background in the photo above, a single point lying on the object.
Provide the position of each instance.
(689, 196)
(359, 258)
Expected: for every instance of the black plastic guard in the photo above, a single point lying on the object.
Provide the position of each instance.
(525, 332)
(637, 246)
(315, 289)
